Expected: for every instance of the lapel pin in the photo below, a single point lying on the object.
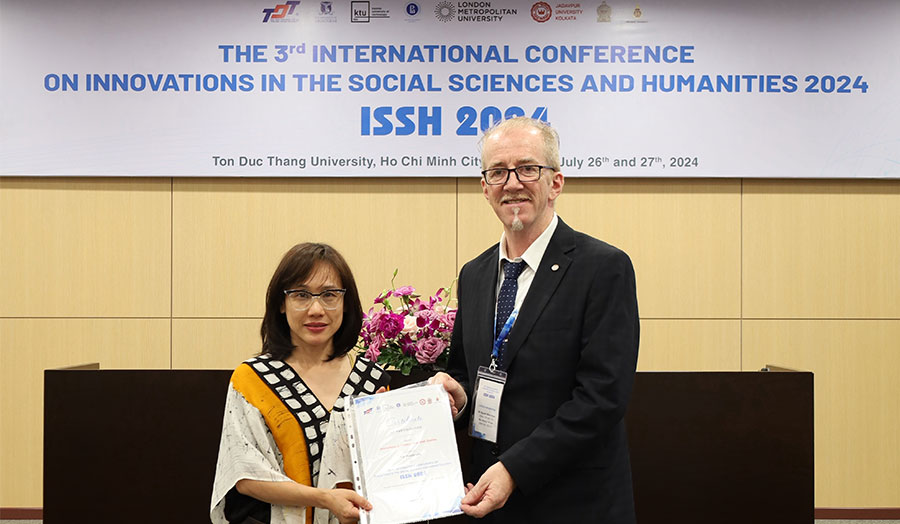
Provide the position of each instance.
(554, 267)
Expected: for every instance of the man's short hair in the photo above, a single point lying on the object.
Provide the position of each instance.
(550, 136)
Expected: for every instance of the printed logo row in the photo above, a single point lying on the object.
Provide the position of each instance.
(446, 11)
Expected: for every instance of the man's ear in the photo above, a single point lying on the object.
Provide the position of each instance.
(557, 181)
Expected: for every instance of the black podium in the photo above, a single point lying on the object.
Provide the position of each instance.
(140, 446)
(716, 447)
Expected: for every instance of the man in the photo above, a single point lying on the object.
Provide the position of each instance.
(560, 452)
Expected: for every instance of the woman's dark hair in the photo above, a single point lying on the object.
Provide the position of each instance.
(296, 266)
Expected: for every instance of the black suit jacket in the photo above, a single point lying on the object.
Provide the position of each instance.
(570, 358)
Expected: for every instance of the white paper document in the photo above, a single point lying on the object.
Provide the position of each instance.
(404, 455)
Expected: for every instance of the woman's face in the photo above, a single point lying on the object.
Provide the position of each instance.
(314, 328)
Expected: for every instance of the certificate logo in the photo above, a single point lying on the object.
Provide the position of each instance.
(541, 12)
(286, 12)
(445, 11)
(637, 11)
(324, 8)
(604, 12)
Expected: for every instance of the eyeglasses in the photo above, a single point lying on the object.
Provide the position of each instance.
(301, 299)
(500, 175)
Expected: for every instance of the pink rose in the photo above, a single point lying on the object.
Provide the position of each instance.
(390, 324)
(429, 349)
(374, 349)
(449, 318)
(409, 325)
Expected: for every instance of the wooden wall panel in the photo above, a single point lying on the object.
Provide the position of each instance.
(477, 226)
(232, 233)
(27, 347)
(85, 247)
(214, 343)
(683, 237)
(857, 400)
(690, 345)
(821, 249)
(195, 255)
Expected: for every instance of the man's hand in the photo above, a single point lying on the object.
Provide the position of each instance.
(491, 492)
(457, 395)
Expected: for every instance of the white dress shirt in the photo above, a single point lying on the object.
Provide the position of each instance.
(532, 257)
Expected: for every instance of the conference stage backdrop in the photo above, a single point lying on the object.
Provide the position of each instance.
(682, 88)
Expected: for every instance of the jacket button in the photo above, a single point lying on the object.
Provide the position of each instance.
(495, 450)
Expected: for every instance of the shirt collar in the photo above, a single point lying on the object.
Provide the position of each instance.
(535, 252)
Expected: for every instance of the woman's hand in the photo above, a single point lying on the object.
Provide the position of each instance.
(345, 504)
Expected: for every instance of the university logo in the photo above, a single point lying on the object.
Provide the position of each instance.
(604, 12)
(359, 12)
(326, 13)
(412, 12)
(541, 12)
(365, 12)
(445, 11)
(285, 12)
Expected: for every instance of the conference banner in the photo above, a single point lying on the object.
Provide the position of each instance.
(393, 88)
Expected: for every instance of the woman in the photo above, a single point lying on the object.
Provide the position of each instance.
(283, 424)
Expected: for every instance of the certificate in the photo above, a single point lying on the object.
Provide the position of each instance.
(403, 452)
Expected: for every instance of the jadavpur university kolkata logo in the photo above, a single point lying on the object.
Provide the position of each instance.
(541, 12)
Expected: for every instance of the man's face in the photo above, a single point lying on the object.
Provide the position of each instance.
(520, 206)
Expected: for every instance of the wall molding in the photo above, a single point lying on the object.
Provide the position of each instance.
(22, 513)
(858, 513)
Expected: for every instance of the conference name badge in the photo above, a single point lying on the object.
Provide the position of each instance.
(486, 409)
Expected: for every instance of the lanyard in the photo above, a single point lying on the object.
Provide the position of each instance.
(501, 338)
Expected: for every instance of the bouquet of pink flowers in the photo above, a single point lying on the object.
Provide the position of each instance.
(414, 334)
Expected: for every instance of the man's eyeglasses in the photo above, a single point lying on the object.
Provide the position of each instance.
(500, 175)
(301, 300)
